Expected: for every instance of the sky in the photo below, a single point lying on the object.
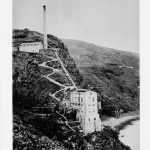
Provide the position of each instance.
(109, 23)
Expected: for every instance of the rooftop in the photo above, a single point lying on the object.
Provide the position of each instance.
(81, 90)
(30, 43)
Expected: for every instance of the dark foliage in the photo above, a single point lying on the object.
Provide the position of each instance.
(107, 139)
(28, 138)
(117, 88)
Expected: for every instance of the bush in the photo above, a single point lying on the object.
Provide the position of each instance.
(107, 139)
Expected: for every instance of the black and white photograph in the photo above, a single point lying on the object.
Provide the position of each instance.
(75, 75)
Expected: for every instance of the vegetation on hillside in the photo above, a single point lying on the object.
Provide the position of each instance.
(49, 133)
(113, 74)
(117, 88)
(37, 129)
(87, 54)
(26, 137)
(107, 139)
(29, 87)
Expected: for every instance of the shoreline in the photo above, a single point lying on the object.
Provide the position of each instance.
(123, 121)
(130, 135)
(128, 128)
(125, 124)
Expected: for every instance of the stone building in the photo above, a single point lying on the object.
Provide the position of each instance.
(87, 109)
(33, 47)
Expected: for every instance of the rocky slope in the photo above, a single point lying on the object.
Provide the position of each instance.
(39, 81)
(86, 54)
(27, 137)
(31, 72)
(113, 74)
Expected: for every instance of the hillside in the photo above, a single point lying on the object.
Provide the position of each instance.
(112, 73)
(39, 87)
(86, 54)
(29, 69)
(39, 82)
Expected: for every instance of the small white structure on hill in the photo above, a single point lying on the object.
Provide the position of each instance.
(86, 103)
(33, 47)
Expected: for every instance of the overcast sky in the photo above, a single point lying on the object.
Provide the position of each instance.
(109, 23)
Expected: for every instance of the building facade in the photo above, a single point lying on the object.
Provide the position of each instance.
(33, 47)
(87, 110)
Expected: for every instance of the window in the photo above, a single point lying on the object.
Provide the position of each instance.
(94, 118)
(93, 99)
(78, 99)
(89, 119)
(75, 99)
(81, 99)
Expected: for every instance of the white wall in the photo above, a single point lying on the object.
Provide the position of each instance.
(88, 110)
(34, 48)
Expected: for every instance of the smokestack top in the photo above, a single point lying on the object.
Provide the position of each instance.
(44, 27)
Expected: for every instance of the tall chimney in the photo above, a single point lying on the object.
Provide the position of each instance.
(44, 27)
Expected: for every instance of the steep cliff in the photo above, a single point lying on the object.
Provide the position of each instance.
(30, 87)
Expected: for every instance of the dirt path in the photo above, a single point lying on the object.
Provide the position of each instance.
(48, 76)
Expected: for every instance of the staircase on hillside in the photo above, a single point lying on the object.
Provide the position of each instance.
(56, 65)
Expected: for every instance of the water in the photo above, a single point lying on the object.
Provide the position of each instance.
(131, 136)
